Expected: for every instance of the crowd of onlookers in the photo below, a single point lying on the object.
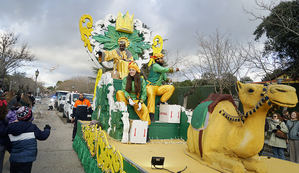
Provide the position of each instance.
(282, 134)
(17, 132)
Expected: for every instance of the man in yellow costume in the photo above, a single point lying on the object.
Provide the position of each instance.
(157, 76)
(133, 92)
(120, 56)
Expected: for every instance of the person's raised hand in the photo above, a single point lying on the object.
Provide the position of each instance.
(131, 102)
(47, 126)
(139, 107)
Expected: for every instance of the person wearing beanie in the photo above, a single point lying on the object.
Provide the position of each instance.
(133, 92)
(156, 77)
(23, 135)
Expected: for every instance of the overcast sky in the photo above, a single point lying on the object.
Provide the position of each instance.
(51, 27)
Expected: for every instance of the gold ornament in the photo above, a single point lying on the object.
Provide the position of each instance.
(124, 23)
(157, 45)
(99, 75)
(108, 158)
(86, 31)
(125, 39)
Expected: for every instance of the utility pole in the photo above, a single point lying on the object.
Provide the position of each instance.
(36, 75)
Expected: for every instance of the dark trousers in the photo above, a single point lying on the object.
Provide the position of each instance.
(278, 152)
(74, 129)
(18, 167)
(2, 153)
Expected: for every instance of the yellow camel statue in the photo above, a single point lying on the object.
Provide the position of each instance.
(231, 141)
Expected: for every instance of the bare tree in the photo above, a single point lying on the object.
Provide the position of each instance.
(80, 84)
(19, 81)
(220, 56)
(12, 56)
(262, 65)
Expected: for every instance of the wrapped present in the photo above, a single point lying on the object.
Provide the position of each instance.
(170, 113)
(138, 131)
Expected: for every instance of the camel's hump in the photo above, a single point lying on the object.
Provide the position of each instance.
(216, 98)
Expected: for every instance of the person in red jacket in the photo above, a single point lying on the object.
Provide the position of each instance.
(81, 108)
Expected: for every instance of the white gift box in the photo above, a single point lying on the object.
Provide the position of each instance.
(138, 131)
(170, 113)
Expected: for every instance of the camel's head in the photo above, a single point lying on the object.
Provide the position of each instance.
(256, 95)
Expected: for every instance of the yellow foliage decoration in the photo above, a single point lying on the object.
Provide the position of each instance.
(99, 76)
(108, 158)
(86, 31)
(157, 47)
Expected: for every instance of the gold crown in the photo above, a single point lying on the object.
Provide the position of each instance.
(124, 23)
(124, 39)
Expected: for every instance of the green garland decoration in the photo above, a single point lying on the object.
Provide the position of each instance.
(110, 41)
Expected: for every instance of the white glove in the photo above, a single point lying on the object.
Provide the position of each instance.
(139, 106)
(131, 102)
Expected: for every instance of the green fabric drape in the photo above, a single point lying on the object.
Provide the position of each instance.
(102, 105)
(199, 115)
(116, 125)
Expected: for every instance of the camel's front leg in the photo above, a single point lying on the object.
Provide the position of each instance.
(192, 140)
(255, 164)
(224, 162)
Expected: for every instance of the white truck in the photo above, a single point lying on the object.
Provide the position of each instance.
(58, 95)
(61, 103)
(70, 100)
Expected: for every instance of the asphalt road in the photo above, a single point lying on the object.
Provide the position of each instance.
(55, 155)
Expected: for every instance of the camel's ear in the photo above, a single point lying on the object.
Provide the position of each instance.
(240, 85)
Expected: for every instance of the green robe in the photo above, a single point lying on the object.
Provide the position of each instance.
(133, 94)
(157, 74)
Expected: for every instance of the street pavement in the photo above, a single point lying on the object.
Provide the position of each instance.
(55, 155)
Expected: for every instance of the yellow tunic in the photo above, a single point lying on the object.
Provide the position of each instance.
(120, 60)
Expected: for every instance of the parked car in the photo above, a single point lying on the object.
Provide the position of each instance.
(61, 102)
(70, 100)
(58, 94)
(38, 99)
(90, 98)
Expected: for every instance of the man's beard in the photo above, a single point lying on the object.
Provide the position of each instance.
(160, 63)
(81, 99)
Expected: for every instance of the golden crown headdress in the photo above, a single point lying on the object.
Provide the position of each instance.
(124, 23)
(124, 39)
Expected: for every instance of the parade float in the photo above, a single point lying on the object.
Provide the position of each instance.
(215, 137)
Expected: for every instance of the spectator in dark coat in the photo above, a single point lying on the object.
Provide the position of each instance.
(3, 130)
(32, 99)
(23, 135)
(19, 100)
(285, 115)
(293, 126)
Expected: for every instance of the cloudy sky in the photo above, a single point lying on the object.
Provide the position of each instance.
(51, 27)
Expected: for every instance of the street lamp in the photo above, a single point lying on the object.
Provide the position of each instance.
(36, 74)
